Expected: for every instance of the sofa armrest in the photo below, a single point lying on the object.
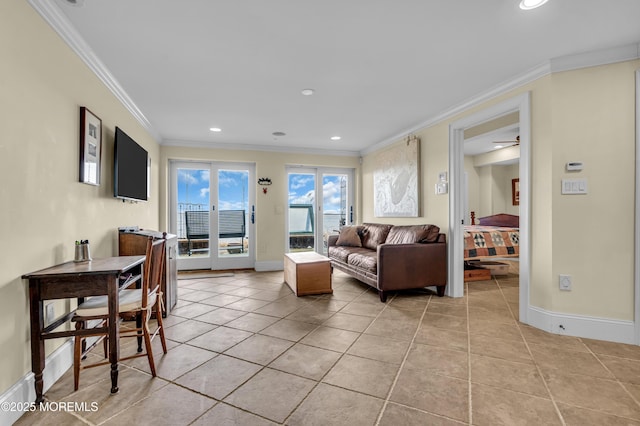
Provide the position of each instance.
(331, 241)
(402, 266)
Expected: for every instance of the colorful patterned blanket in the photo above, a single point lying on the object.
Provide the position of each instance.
(491, 241)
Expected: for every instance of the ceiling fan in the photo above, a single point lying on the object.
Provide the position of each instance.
(514, 142)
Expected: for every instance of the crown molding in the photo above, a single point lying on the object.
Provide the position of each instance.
(61, 25)
(264, 148)
(564, 63)
(612, 55)
(518, 81)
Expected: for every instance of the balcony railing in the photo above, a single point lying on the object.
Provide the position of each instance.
(183, 207)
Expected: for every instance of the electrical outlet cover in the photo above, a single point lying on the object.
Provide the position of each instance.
(565, 282)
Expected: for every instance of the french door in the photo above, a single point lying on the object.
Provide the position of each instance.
(212, 213)
(320, 201)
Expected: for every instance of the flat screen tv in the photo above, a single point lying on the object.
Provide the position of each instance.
(131, 168)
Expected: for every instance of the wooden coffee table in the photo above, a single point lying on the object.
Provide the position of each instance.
(307, 273)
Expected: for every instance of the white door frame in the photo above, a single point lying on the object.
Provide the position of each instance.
(636, 318)
(213, 261)
(520, 103)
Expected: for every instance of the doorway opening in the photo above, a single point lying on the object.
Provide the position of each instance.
(457, 197)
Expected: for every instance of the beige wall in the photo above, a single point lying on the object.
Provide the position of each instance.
(585, 115)
(593, 121)
(44, 207)
(270, 212)
(490, 188)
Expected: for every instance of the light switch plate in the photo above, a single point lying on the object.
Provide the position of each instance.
(442, 188)
(574, 186)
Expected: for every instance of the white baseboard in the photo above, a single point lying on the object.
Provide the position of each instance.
(24, 391)
(274, 265)
(582, 326)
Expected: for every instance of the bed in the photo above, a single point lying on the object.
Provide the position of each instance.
(496, 236)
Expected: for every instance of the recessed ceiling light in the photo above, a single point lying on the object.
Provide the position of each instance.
(279, 134)
(498, 147)
(215, 129)
(335, 138)
(531, 4)
(307, 92)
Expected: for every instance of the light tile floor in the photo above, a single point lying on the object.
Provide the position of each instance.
(244, 350)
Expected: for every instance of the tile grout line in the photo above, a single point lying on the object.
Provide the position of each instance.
(262, 368)
(535, 363)
(404, 359)
(318, 382)
(620, 383)
(221, 401)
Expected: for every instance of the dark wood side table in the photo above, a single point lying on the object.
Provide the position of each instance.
(77, 280)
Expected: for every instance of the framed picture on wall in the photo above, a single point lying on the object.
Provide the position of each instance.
(90, 147)
(396, 180)
(515, 192)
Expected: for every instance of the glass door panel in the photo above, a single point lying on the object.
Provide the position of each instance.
(192, 213)
(310, 222)
(234, 218)
(302, 206)
(212, 212)
(336, 207)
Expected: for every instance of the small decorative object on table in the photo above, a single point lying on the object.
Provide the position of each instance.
(83, 254)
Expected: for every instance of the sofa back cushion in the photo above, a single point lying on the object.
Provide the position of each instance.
(350, 236)
(374, 234)
(408, 234)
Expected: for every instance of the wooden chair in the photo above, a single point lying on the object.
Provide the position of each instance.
(141, 303)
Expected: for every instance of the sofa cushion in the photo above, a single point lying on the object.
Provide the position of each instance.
(408, 234)
(350, 236)
(365, 259)
(341, 253)
(374, 234)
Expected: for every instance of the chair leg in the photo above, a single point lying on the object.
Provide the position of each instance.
(160, 325)
(105, 346)
(147, 344)
(139, 327)
(77, 352)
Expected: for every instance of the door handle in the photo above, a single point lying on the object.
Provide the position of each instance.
(253, 214)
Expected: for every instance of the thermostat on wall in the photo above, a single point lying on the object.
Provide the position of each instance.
(574, 166)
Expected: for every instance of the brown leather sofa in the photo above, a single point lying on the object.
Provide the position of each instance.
(391, 257)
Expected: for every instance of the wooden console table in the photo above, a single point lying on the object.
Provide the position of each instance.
(77, 280)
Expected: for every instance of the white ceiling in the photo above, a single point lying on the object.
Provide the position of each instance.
(379, 68)
(497, 139)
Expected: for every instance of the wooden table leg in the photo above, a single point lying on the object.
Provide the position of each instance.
(37, 343)
(114, 332)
